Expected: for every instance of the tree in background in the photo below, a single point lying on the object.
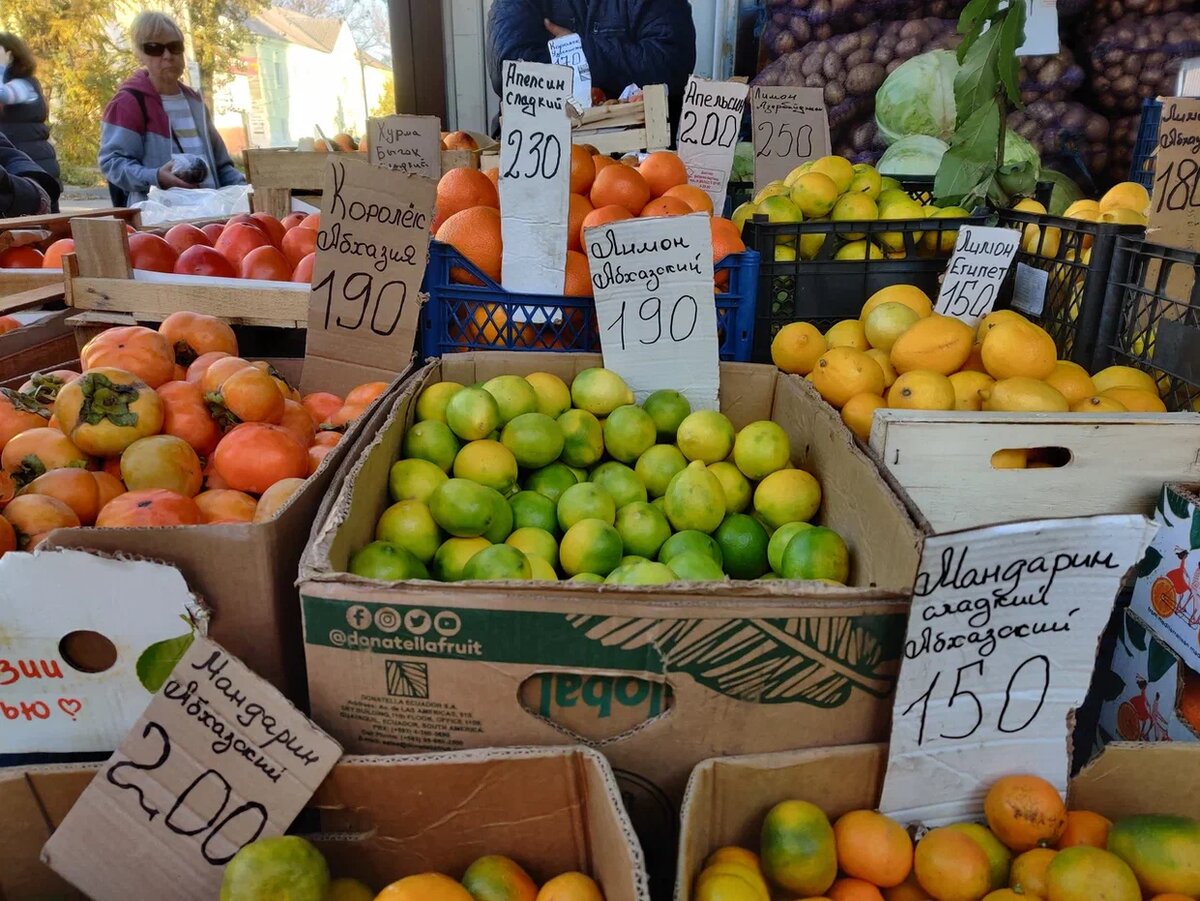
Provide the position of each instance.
(366, 19)
(218, 33)
(387, 101)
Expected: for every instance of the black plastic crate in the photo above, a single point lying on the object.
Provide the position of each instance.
(1155, 294)
(737, 193)
(1074, 258)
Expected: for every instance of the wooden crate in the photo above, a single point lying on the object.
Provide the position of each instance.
(102, 287)
(45, 341)
(643, 125)
(55, 226)
(1116, 463)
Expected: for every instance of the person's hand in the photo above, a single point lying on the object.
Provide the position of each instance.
(556, 31)
(167, 179)
(5, 57)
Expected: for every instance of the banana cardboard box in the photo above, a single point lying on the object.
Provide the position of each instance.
(1166, 595)
(657, 678)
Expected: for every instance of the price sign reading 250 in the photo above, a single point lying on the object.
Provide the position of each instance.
(656, 321)
(786, 140)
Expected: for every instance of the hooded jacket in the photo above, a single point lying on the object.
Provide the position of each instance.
(25, 188)
(135, 138)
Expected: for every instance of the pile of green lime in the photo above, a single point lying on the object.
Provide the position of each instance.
(529, 478)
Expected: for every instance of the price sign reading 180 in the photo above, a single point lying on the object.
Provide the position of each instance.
(655, 306)
(1175, 204)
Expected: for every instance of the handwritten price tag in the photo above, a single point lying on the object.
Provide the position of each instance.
(790, 127)
(708, 130)
(1175, 204)
(535, 176)
(217, 760)
(977, 268)
(568, 51)
(411, 145)
(655, 306)
(371, 252)
(999, 651)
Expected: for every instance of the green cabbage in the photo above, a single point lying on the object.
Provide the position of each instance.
(1065, 192)
(743, 162)
(1018, 150)
(913, 155)
(918, 98)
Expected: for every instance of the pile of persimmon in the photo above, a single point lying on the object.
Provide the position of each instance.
(249, 245)
(161, 428)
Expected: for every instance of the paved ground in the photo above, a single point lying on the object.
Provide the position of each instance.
(75, 199)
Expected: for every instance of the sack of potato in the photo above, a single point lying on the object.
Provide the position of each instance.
(1103, 13)
(1060, 130)
(1139, 57)
(1053, 77)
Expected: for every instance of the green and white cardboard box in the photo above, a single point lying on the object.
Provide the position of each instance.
(1166, 595)
(657, 678)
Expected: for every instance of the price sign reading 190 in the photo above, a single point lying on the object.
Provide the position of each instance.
(647, 323)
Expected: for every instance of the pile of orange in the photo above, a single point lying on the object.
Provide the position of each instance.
(1031, 848)
(161, 428)
(602, 190)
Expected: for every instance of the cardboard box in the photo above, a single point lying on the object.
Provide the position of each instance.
(1166, 595)
(657, 678)
(728, 798)
(386, 817)
(1142, 689)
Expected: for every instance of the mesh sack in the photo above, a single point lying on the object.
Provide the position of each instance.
(1053, 78)
(1138, 58)
(1122, 139)
(1108, 12)
(1062, 131)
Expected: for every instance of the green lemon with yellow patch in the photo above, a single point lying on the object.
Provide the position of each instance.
(454, 554)
(590, 546)
(816, 554)
(533, 510)
(502, 519)
(643, 529)
(489, 463)
(788, 495)
(629, 431)
(668, 408)
(414, 480)
(585, 501)
(587, 578)
(282, 866)
(497, 563)
(387, 562)
(761, 448)
(600, 391)
(705, 435)
(410, 525)
(472, 413)
(690, 541)
(779, 542)
(535, 543)
(619, 481)
(534, 439)
(431, 403)
(695, 499)
(553, 395)
(696, 566)
(514, 396)
(432, 441)
(583, 438)
(541, 570)
(463, 508)
(551, 481)
(657, 466)
(736, 486)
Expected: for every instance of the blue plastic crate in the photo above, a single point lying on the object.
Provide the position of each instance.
(459, 317)
(1141, 169)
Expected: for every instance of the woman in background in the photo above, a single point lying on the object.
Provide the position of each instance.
(23, 109)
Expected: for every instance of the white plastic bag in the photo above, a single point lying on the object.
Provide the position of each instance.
(176, 204)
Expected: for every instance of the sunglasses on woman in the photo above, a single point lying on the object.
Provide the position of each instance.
(154, 48)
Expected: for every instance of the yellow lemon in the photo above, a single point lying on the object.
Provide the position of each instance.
(1122, 216)
(937, 343)
(885, 363)
(815, 194)
(993, 319)
(797, 347)
(921, 389)
(1010, 458)
(431, 404)
(967, 385)
(705, 435)
(843, 372)
(1071, 381)
(848, 333)
(789, 495)
(1029, 205)
(553, 395)
(1019, 349)
(1123, 377)
(854, 207)
(887, 322)
(866, 181)
(858, 250)
(1099, 404)
(859, 412)
(1127, 195)
(839, 170)
(1136, 400)
(1023, 395)
(909, 295)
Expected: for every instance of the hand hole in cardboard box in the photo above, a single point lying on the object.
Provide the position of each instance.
(594, 708)
(1031, 458)
(87, 651)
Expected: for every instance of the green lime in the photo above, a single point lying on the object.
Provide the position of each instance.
(282, 866)
(581, 474)
(535, 543)
(817, 553)
(630, 559)
(554, 397)
(657, 466)
(743, 543)
(551, 481)
(514, 396)
(619, 481)
(414, 479)
(590, 578)
(489, 463)
(585, 501)
(668, 409)
(502, 522)
(432, 441)
(689, 540)
(497, 563)
(660, 504)
(779, 542)
(643, 529)
(472, 414)
(583, 438)
(591, 546)
(761, 448)
(705, 435)
(534, 439)
(619, 575)
(463, 508)
(696, 566)
(387, 563)
(735, 485)
(410, 525)
(695, 499)
(431, 403)
(452, 557)
(600, 391)
(533, 510)
(628, 433)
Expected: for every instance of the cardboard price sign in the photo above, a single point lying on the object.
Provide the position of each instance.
(411, 145)
(977, 269)
(791, 126)
(568, 51)
(709, 124)
(535, 176)
(655, 306)
(217, 760)
(1175, 203)
(371, 253)
(1000, 648)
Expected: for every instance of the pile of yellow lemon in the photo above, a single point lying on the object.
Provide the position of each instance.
(832, 188)
(1126, 203)
(902, 355)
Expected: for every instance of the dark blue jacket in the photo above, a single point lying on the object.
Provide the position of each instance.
(20, 179)
(626, 41)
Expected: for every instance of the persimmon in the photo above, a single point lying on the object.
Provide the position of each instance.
(272, 226)
(37, 451)
(312, 220)
(186, 416)
(55, 252)
(24, 257)
(185, 235)
(299, 243)
(44, 386)
(204, 260)
(249, 395)
(134, 348)
(255, 455)
(8, 488)
(194, 334)
(303, 273)
(285, 387)
(19, 413)
(322, 405)
(213, 230)
(316, 456)
(105, 410)
(196, 371)
(275, 497)
(326, 438)
(291, 220)
(108, 486)
(149, 508)
(266, 264)
(162, 461)
(216, 374)
(224, 505)
(179, 375)
(8, 537)
(346, 415)
(151, 253)
(363, 394)
(212, 481)
(112, 466)
(238, 240)
(297, 420)
(74, 487)
(33, 516)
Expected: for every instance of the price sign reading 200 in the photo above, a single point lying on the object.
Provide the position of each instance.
(720, 129)
(676, 325)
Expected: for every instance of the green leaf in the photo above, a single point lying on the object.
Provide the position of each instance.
(1179, 504)
(1136, 633)
(971, 159)
(1195, 538)
(1161, 662)
(157, 661)
(1109, 684)
(1149, 563)
(977, 81)
(970, 22)
(1012, 36)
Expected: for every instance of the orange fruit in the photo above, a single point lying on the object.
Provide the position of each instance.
(1084, 828)
(602, 215)
(493, 175)
(577, 282)
(1028, 871)
(583, 170)
(569, 887)
(873, 847)
(726, 238)
(462, 188)
(951, 866)
(694, 197)
(600, 161)
(665, 206)
(424, 887)
(1189, 700)
(908, 890)
(475, 233)
(498, 878)
(849, 889)
(663, 170)
(1025, 812)
(620, 185)
(577, 212)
